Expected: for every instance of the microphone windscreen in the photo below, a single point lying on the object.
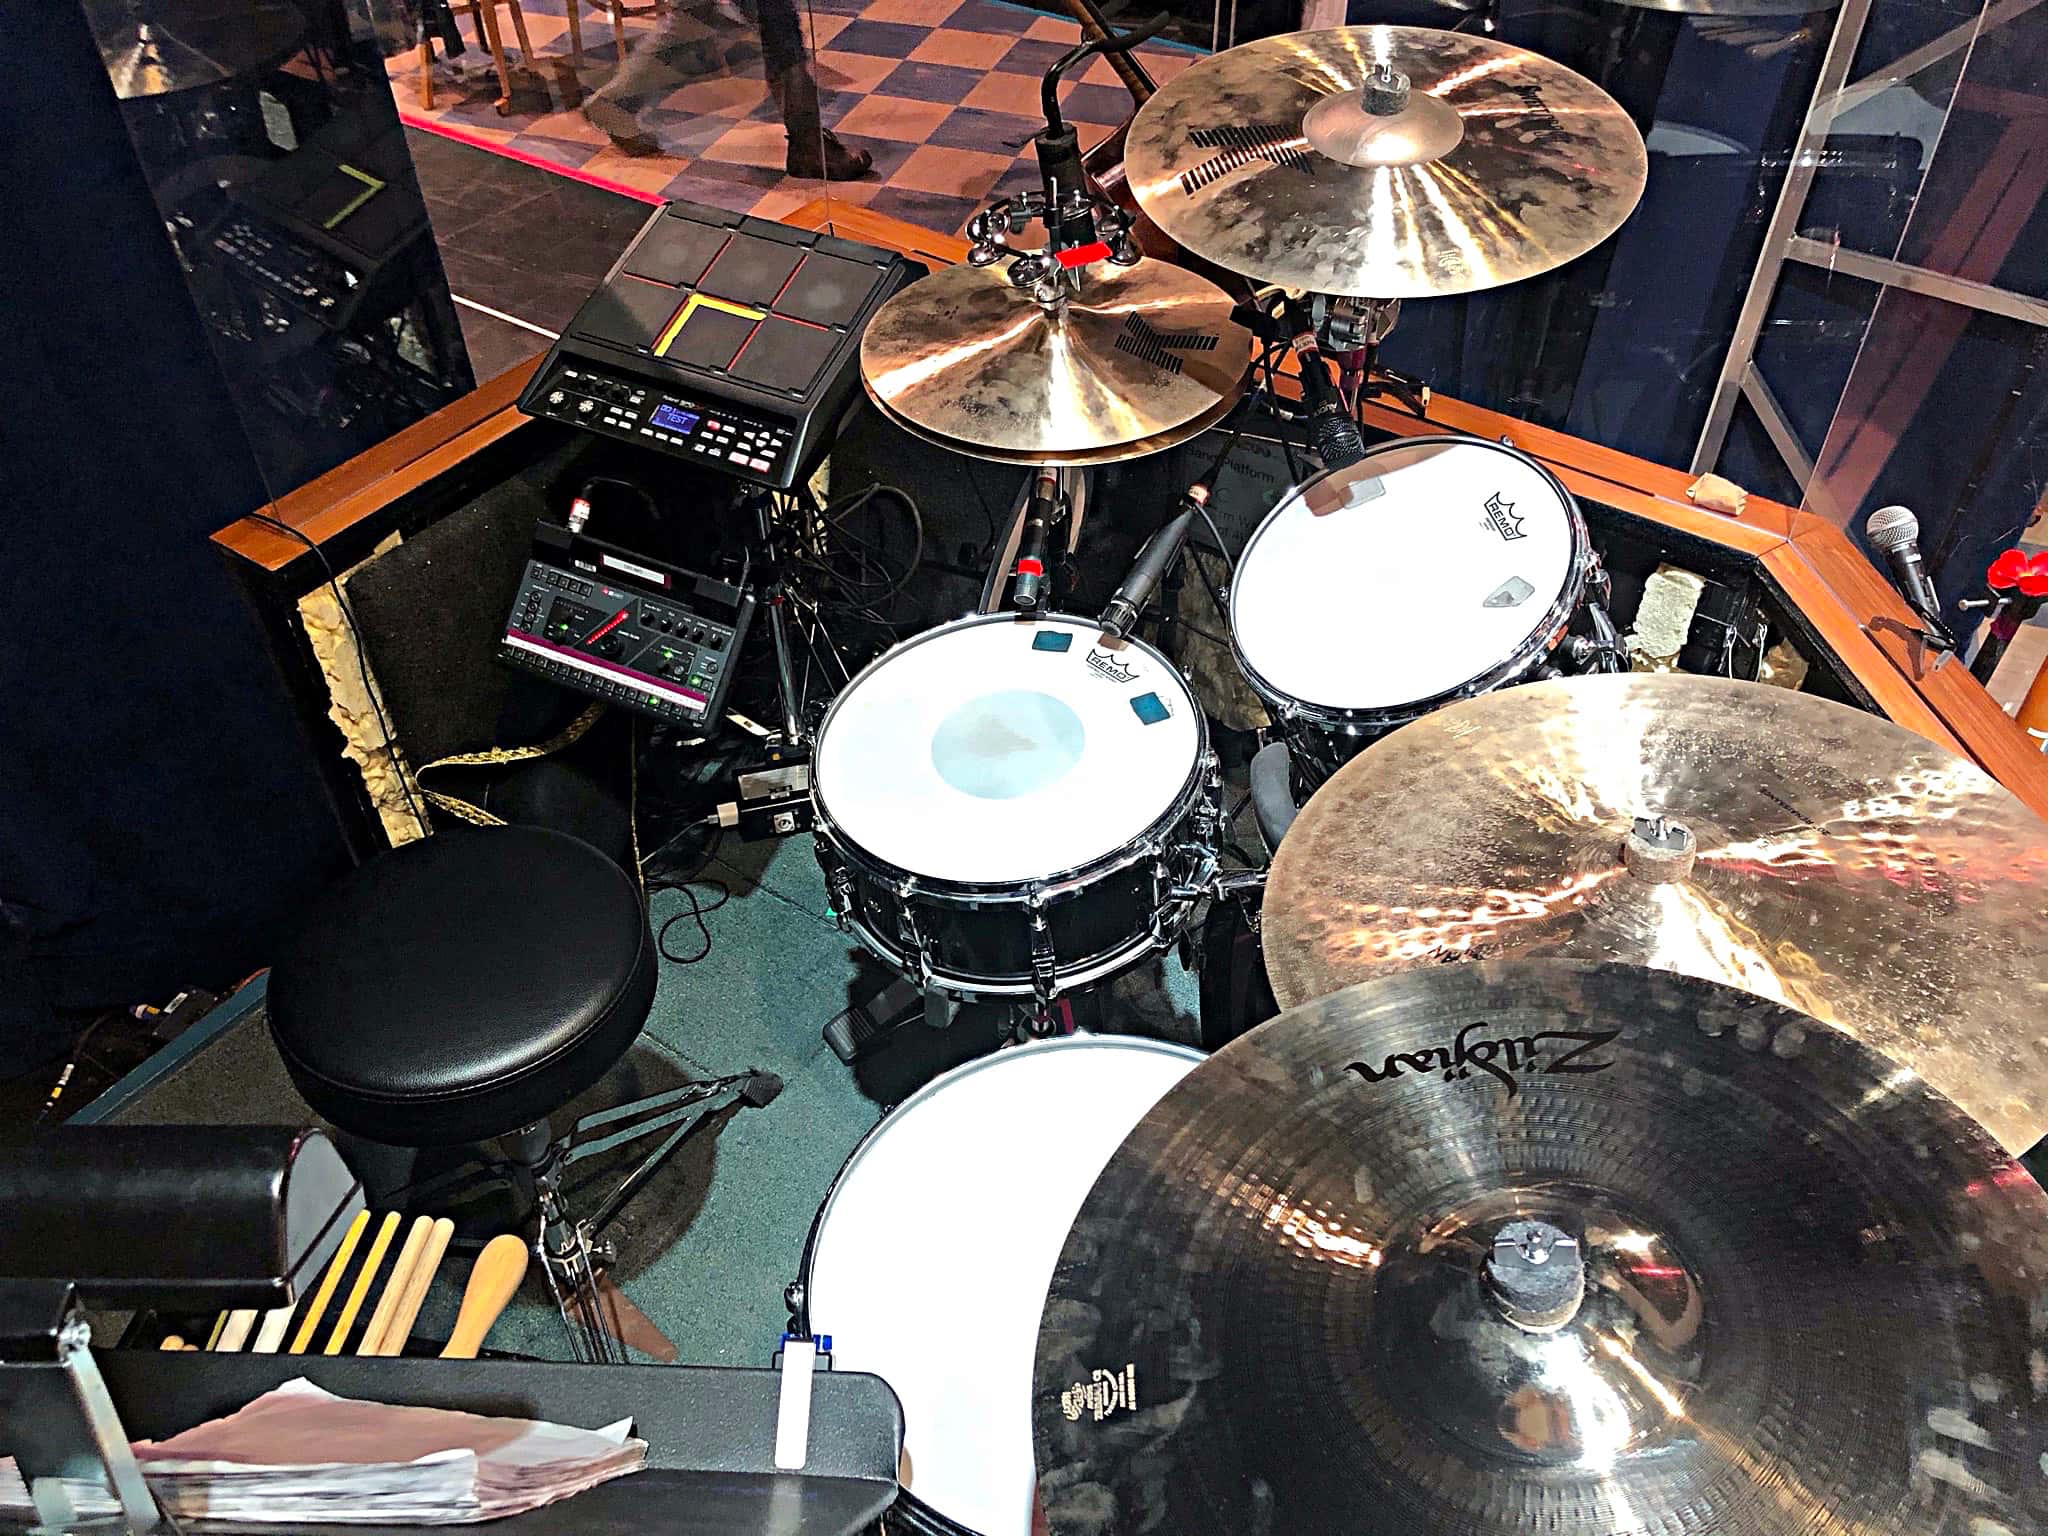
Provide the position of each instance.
(761, 1089)
(1892, 528)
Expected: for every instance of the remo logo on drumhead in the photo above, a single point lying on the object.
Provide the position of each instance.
(1500, 514)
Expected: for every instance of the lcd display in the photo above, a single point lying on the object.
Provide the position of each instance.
(670, 419)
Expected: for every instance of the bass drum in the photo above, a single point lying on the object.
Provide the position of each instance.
(1009, 806)
(929, 1262)
(1433, 569)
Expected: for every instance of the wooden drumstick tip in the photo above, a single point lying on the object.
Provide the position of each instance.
(400, 1329)
(492, 1284)
(361, 1289)
(324, 1293)
(395, 1286)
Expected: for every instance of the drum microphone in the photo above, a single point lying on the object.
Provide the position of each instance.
(1038, 514)
(1337, 438)
(1120, 616)
(1895, 533)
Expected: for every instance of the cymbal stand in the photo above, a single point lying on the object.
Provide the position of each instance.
(1029, 568)
(1351, 331)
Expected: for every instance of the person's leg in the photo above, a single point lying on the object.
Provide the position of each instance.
(644, 76)
(813, 151)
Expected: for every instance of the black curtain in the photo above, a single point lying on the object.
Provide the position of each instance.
(159, 808)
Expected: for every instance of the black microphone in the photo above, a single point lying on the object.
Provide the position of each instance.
(1337, 438)
(1038, 514)
(1895, 533)
(760, 1089)
(1120, 616)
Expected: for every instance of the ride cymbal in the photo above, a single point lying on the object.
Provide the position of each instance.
(1141, 358)
(1548, 1246)
(1385, 162)
(1813, 854)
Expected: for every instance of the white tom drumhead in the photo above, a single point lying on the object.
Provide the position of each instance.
(1000, 750)
(937, 1245)
(1404, 577)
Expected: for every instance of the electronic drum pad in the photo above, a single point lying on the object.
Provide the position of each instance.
(1548, 1246)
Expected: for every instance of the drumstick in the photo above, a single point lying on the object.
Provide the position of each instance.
(328, 1282)
(395, 1286)
(271, 1332)
(499, 1269)
(415, 1295)
(361, 1288)
(219, 1323)
(234, 1332)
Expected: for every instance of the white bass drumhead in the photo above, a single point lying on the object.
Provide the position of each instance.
(1404, 577)
(936, 1248)
(1000, 750)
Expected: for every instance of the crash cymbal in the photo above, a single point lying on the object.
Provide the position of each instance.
(1143, 357)
(1385, 162)
(1837, 863)
(1542, 1245)
(157, 47)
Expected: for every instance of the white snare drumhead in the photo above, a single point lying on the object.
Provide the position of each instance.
(1411, 573)
(999, 750)
(937, 1246)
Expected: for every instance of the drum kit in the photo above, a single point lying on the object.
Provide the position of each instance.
(1636, 1150)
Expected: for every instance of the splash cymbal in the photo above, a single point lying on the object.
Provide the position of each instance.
(1812, 854)
(1544, 1245)
(1141, 358)
(1385, 162)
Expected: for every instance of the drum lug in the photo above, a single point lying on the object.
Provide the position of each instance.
(1044, 965)
(839, 892)
(911, 937)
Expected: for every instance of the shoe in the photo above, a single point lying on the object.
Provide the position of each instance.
(620, 126)
(814, 153)
(819, 156)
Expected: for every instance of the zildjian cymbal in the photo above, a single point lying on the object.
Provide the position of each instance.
(1385, 162)
(1802, 850)
(1545, 1245)
(1140, 358)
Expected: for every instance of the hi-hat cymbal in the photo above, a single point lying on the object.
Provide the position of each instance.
(1141, 358)
(1296, 161)
(1838, 863)
(1543, 1245)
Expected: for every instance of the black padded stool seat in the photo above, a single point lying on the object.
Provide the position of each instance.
(464, 986)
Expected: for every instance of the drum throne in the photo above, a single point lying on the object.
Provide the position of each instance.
(462, 991)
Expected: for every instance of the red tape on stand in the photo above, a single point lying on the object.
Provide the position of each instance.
(1081, 255)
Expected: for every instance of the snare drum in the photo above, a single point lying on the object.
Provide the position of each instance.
(1009, 807)
(929, 1261)
(1433, 569)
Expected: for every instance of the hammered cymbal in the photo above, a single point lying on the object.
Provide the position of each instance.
(1544, 1245)
(1141, 358)
(1268, 159)
(1840, 864)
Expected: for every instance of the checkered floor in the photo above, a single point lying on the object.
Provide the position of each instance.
(943, 94)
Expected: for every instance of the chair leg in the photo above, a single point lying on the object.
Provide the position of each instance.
(519, 27)
(426, 72)
(619, 27)
(487, 13)
(575, 33)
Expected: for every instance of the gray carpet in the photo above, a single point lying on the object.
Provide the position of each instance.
(706, 1249)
